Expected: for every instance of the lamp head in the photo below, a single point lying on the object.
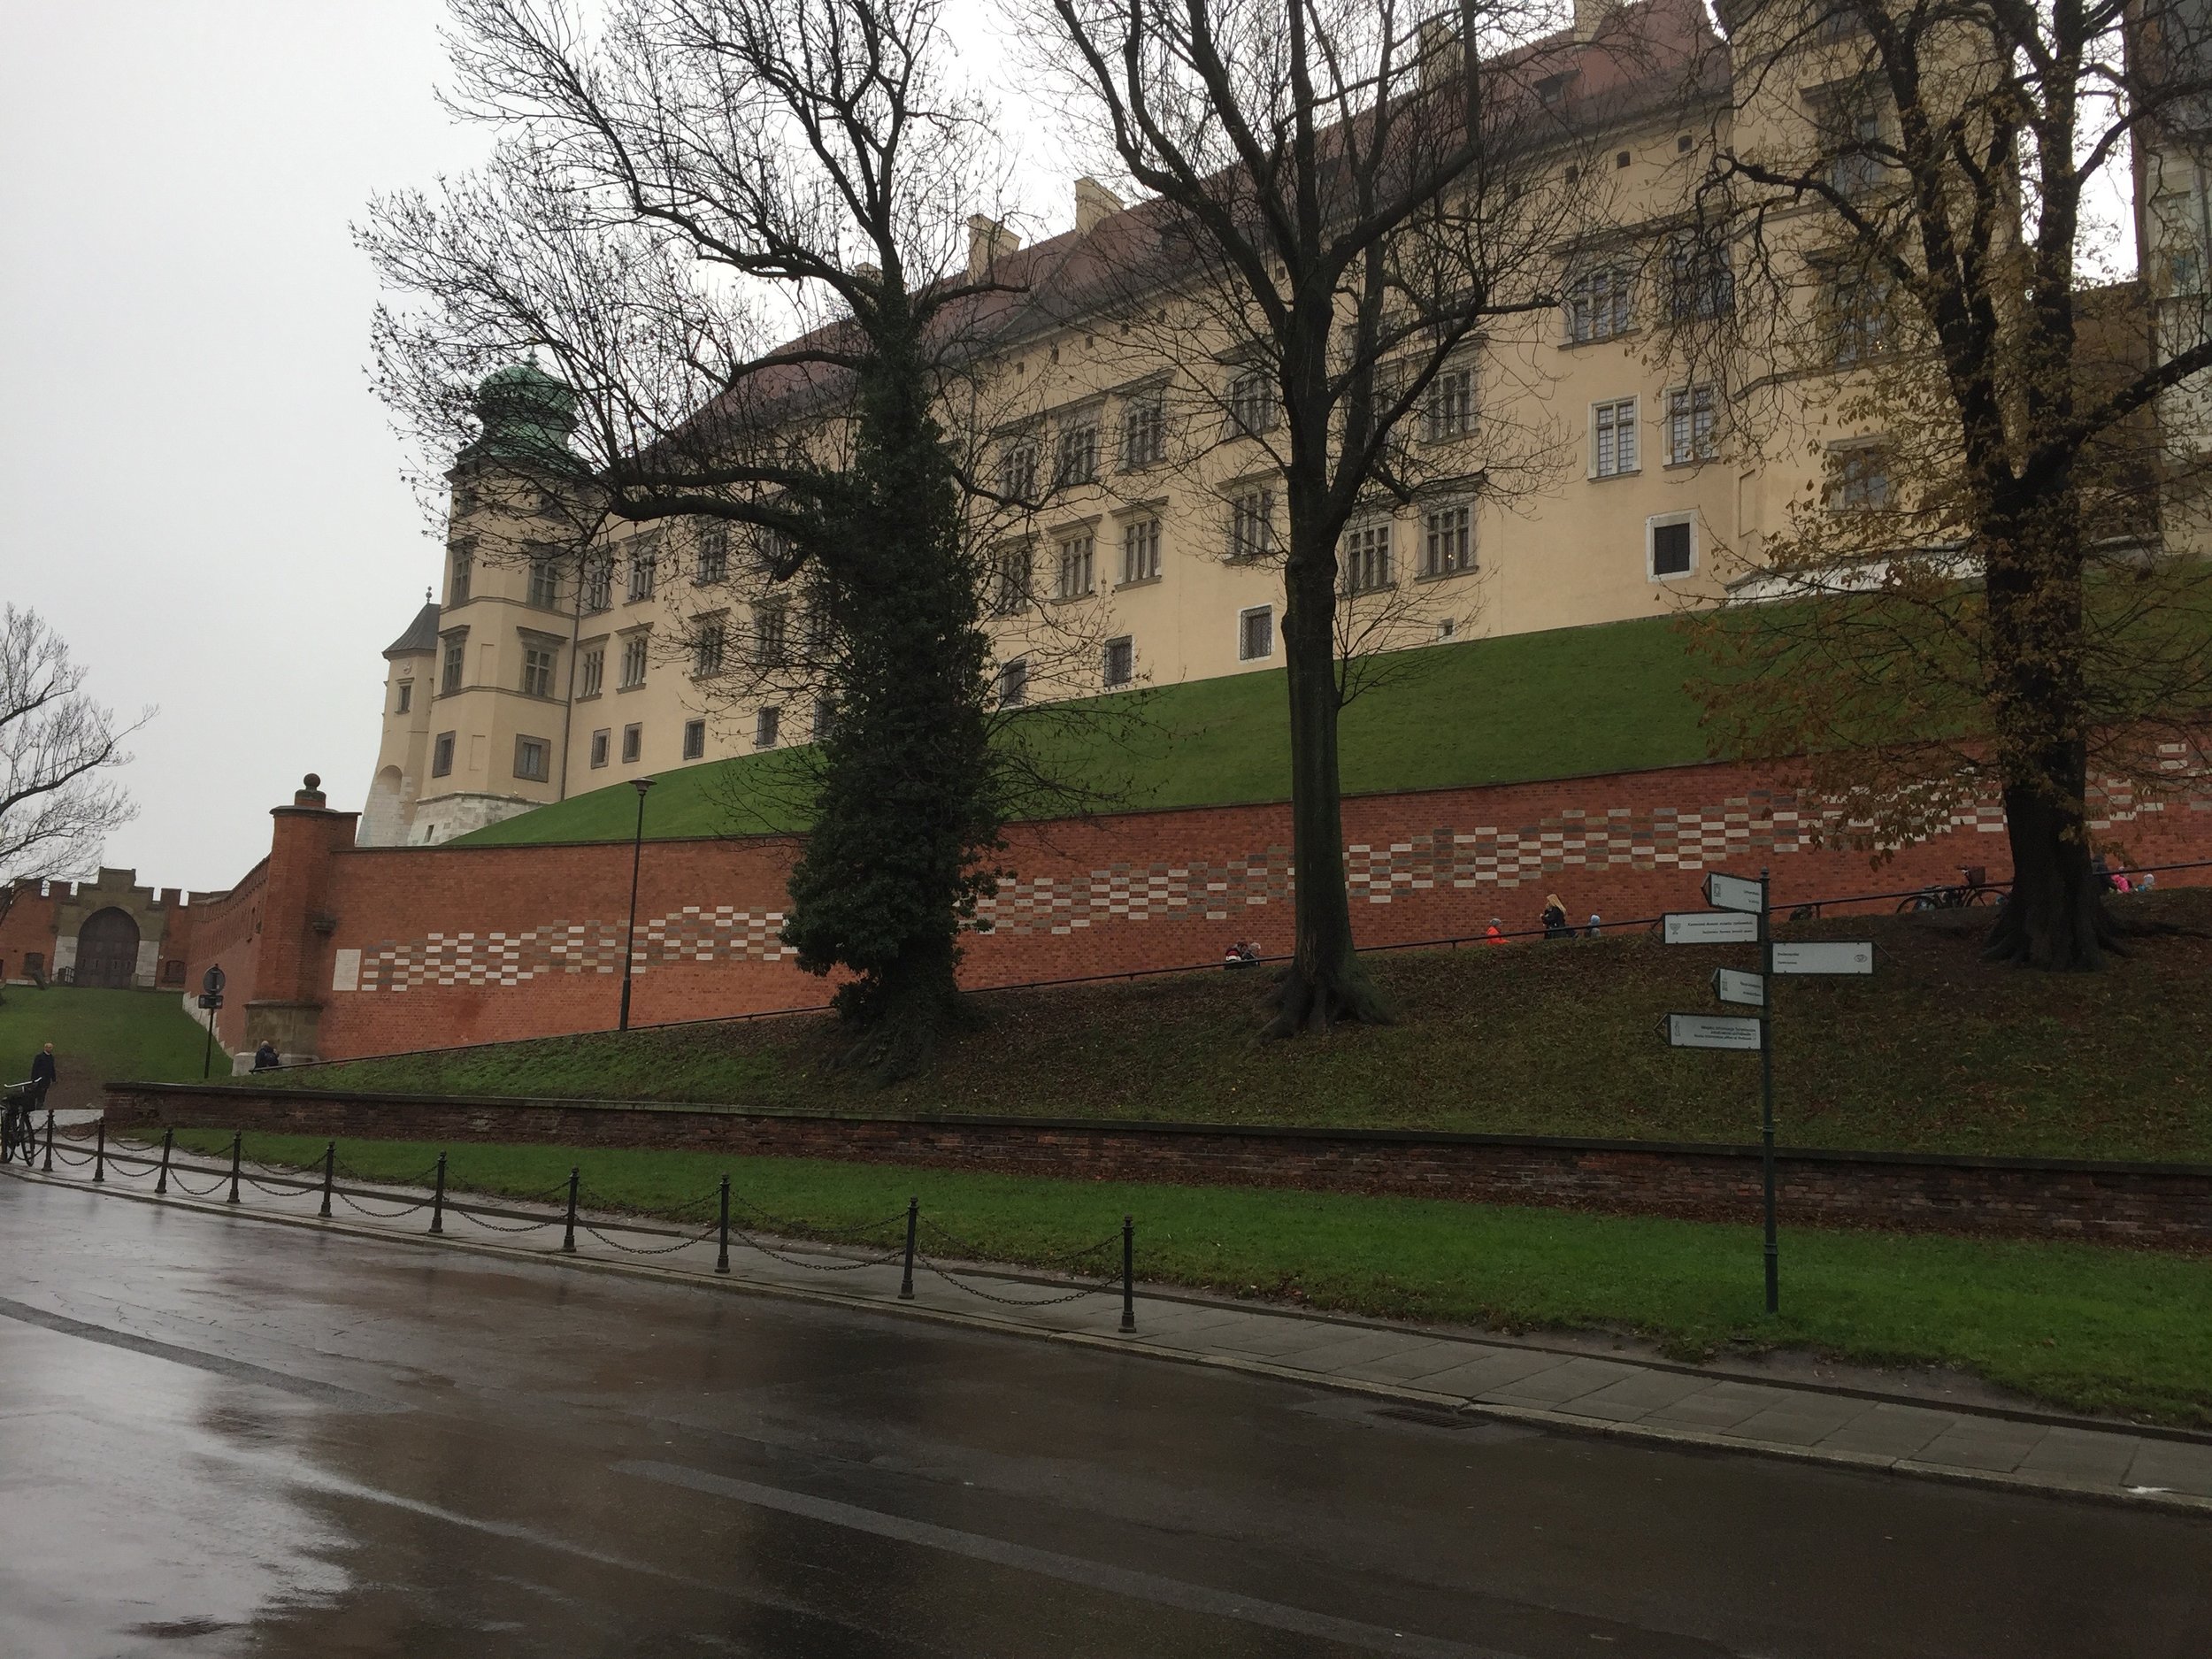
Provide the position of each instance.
(640, 785)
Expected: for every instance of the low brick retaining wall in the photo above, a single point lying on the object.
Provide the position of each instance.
(2167, 1205)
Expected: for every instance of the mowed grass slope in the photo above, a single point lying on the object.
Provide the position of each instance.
(1527, 706)
(100, 1036)
(2090, 1328)
(1937, 1051)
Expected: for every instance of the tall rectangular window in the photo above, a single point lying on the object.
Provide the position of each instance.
(531, 762)
(714, 552)
(1017, 468)
(707, 647)
(593, 671)
(695, 739)
(545, 583)
(1856, 132)
(537, 670)
(406, 696)
(464, 575)
(1689, 425)
(633, 661)
(1013, 683)
(1598, 303)
(825, 718)
(1364, 556)
(1251, 403)
(1613, 438)
(1140, 550)
(1448, 539)
(1451, 406)
(1858, 311)
(1078, 455)
(632, 743)
(441, 755)
(644, 559)
(1013, 597)
(1076, 560)
(772, 632)
(1121, 661)
(766, 724)
(599, 745)
(1255, 634)
(1143, 432)
(598, 580)
(820, 623)
(1252, 524)
(1700, 284)
(452, 663)
(1860, 480)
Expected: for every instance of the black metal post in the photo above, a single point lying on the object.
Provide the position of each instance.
(722, 1261)
(629, 942)
(1766, 1092)
(161, 1184)
(913, 1221)
(568, 1243)
(237, 1144)
(1128, 1273)
(49, 1170)
(437, 1199)
(100, 1149)
(330, 1173)
(207, 1049)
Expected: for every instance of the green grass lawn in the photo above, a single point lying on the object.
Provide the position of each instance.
(100, 1036)
(2082, 1326)
(1527, 706)
(1937, 1051)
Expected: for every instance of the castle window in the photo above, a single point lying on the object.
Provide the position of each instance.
(1013, 683)
(599, 746)
(1255, 634)
(707, 647)
(598, 580)
(1364, 556)
(464, 569)
(1076, 560)
(1143, 432)
(766, 724)
(545, 583)
(530, 758)
(1598, 303)
(1670, 550)
(1013, 597)
(1689, 425)
(714, 552)
(1078, 455)
(1017, 468)
(772, 633)
(442, 756)
(644, 556)
(1252, 524)
(595, 671)
(537, 670)
(1451, 407)
(1140, 550)
(1121, 661)
(825, 718)
(634, 662)
(453, 664)
(1613, 438)
(406, 697)
(695, 739)
(632, 743)
(1251, 403)
(1448, 539)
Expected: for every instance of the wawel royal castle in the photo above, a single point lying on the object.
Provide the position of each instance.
(528, 682)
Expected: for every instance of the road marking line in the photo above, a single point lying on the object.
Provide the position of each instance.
(239, 1370)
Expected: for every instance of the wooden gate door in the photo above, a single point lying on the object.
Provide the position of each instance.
(107, 949)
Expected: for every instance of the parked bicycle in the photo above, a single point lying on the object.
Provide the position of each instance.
(1974, 888)
(17, 1137)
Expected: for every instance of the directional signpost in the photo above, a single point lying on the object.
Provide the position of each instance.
(211, 999)
(1741, 916)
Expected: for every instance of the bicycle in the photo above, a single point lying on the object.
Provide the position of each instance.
(16, 1134)
(1974, 888)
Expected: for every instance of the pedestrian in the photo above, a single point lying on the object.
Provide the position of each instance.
(1250, 951)
(2121, 884)
(1554, 917)
(1493, 935)
(2149, 882)
(44, 1074)
(265, 1059)
(1596, 923)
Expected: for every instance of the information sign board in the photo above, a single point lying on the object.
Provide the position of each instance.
(1732, 985)
(1713, 1031)
(1734, 893)
(1711, 927)
(1827, 956)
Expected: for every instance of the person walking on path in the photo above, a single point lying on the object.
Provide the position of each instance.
(1494, 934)
(1597, 924)
(45, 1072)
(1554, 917)
(265, 1057)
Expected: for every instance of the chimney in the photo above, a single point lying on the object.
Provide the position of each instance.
(1093, 203)
(1441, 57)
(1591, 16)
(988, 240)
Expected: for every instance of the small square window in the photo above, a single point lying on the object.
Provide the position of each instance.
(601, 743)
(1673, 552)
(442, 756)
(1622, 159)
(632, 743)
(1013, 683)
(695, 739)
(530, 755)
(1682, 144)
(1255, 634)
(767, 725)
(1121, 661)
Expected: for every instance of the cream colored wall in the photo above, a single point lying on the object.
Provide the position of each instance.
(402, 747)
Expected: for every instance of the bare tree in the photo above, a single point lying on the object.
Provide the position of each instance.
(1995, 582)
(1350, 204)
(56, 807)
(734, 230)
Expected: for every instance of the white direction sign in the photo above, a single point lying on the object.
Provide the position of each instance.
(1711, 927)
(1851, 955)
(1733, 892)
(1712, 1030)
(1733, 986)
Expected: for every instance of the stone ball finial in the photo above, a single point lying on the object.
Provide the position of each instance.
(312, 781)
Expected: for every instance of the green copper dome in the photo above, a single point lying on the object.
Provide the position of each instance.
(527, 416)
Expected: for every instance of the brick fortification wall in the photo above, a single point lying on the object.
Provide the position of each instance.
(2169, 1206)
(419, 948)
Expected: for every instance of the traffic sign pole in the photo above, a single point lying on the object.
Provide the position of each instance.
(1766, 1093)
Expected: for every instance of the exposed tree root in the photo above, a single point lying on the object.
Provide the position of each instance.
(1305, 999)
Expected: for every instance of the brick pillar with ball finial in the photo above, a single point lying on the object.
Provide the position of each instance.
(292, 950)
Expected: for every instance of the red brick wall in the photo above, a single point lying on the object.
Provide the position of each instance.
(226, 933)
(463, 945)
(27, 928)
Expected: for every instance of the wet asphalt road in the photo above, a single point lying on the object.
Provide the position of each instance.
(224, 1437)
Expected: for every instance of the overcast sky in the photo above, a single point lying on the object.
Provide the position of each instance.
(197, 487)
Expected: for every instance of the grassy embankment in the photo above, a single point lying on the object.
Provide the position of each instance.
(1936, 1051)
(2087, 1328)
(1527, 706)
(100, 1036)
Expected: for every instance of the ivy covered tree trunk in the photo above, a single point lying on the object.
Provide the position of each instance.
(906, 818)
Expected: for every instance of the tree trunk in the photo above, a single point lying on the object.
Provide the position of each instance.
(1325, 983)
(2055, 917)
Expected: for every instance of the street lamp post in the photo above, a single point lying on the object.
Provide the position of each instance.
(629, 943)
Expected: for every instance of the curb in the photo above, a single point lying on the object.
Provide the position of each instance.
(2049, 1486)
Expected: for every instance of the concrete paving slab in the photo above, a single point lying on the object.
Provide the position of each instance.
(1806, 1420)
(2173, 1465)
(1720, 1406)
(1472, 1378)
(1979, 1443)
(2083, 1455)
(1362, 1349)
(1639, 1395)
(1434, 1355)
(1563, 1384)
(1888, 1431)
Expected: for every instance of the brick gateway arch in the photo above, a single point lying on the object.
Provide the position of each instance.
(107, 949)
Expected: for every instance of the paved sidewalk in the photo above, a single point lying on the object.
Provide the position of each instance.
(1423, 1367)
